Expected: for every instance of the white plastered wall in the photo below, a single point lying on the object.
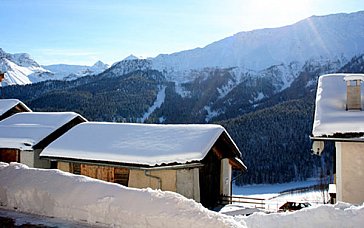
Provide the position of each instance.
(188, 183)
(225, 178)
(27, 158)
(157, 179)
(350, 172)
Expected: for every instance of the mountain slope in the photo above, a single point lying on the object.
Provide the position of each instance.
(268, 111)
(332, 36)
(20, 69)
(273, 133)
(121, 99)
(275, 143)
(71, 72)
(274, 139)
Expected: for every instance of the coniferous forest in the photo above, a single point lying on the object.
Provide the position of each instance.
(272, 133)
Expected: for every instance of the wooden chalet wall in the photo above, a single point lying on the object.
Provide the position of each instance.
(9, 155)
(210, 174)
(184, 181)
(99, 172)
(210, 180)
(106, 173)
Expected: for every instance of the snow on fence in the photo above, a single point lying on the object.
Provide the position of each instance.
(246, 201)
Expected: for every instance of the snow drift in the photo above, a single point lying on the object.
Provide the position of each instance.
(339, 215)
(59, 194)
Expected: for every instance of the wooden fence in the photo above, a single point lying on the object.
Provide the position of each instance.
(255, 202)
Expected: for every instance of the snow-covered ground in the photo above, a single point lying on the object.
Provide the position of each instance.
(77, 198)
(267, 191)
(59, 194)
(11, 218)
(271, 197)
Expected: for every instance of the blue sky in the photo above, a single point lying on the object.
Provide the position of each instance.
(84, 31)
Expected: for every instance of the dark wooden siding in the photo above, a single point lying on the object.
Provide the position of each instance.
(75, 168)
(121, 176)
(211, 172)
(9, 155)
(210, 180)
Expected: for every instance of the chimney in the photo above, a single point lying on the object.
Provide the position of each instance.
(353, 92)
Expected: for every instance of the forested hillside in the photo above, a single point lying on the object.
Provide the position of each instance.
(272, 132)
(274, 139)
(96, 98)
(275, 142)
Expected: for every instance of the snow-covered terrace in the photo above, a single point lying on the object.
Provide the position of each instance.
(26, 129)
(331, 119)
(142, 144)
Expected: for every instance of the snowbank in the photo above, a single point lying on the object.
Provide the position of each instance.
(64, 195)
(59, 194)
(339, 215)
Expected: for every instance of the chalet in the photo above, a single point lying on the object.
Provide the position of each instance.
(193, 160)
(9, 107)
(24, 135)
(339, 117)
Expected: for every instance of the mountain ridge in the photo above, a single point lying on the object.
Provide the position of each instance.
(268, 111)
(21, 69)
(249, 49)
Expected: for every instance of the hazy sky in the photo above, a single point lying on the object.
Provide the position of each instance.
(84, 31)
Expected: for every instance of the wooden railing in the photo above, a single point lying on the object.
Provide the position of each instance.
(256, 202)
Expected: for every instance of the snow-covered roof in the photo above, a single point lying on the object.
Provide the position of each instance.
(26, 129)
(7, 104)
(142, 144)
(331, 116)
(349, 77)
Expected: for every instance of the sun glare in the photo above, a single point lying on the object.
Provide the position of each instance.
(279, 12)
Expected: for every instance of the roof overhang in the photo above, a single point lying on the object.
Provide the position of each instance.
(238, 164)
(173, 166)
(336, 139)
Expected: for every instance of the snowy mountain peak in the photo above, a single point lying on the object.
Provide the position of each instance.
(315, 37)
(71, 72)
(20, 69)
(275, 52)
(3, 54)
(21, 59)
(100, 65)
(125, 67)
(25, 60)
(130, 57)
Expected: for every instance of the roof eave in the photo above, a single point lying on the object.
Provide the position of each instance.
(190, 165)
(337, 139)
(236, 163)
